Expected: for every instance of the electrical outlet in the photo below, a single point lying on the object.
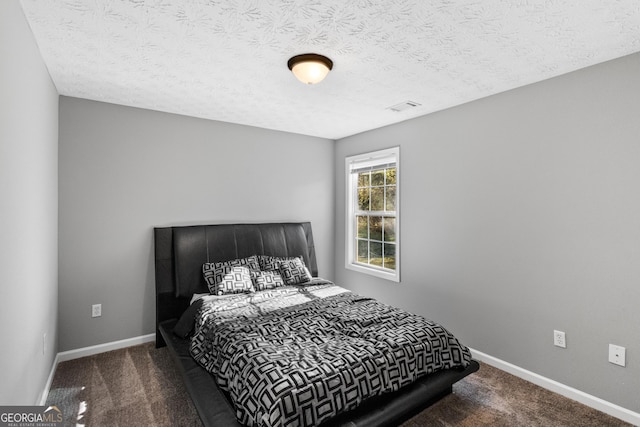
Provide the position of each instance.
(96, 310)
(617, 354)
(559, 339)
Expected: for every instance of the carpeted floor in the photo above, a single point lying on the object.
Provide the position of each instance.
(135, 386)
(139, 386)
(492, 397)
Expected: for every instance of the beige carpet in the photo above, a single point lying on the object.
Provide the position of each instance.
(139, 386)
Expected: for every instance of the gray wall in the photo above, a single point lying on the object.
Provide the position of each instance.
(28, 212)
(520, 215)
(125, 170)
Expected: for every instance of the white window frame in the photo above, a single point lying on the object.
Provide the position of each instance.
(372, 159)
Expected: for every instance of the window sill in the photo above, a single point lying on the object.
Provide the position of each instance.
(394, 277)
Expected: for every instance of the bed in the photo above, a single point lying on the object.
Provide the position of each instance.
(181, 252)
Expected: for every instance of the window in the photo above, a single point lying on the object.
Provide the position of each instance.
(373, 220)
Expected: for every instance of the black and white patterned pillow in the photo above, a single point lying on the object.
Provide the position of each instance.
(232, 280)
(263, 280)
(272, 263)
(251, 262)
(294, 272)
(215, 272)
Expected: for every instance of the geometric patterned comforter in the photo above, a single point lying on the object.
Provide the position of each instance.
(297, 356)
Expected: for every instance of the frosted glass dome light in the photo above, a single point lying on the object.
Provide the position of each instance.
(310, 68)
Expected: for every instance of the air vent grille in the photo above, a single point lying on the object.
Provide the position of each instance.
(403, 106)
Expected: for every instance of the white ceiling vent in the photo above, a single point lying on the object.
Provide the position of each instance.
(403, 106)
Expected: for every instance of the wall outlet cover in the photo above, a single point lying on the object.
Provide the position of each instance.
(96, 310)
(559, 339)
(617, 354)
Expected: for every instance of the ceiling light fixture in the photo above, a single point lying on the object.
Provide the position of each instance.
(310, 68)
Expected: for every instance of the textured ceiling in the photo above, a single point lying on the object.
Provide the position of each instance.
(227, 59)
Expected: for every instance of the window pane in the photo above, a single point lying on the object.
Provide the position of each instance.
(363, 227)
(373, 213)
(377, 177)
(376, 254)
(391, 198)
(389, 256)
(375, 227)
(389, 229)
(363, 251)
(377, 199)
(363, 199)
(391, 176)
(363, 179)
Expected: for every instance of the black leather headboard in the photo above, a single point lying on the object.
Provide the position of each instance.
(181, 251)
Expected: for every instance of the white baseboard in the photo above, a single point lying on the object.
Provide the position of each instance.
(90, 351)
(47, 386)
(564, 390)
(103, 348)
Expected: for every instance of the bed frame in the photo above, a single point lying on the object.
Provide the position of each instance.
(179, 254)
